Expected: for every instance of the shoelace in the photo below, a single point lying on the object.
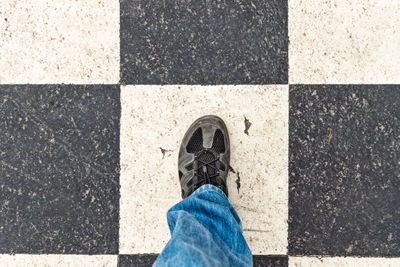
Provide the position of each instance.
(202, 165)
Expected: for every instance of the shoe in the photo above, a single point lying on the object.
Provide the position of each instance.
(204, 155)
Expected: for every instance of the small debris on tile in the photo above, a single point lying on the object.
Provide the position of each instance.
(247, 125)
(237, 175)
(231, 169)
(238, 182)
(164, 151)
(329, 133)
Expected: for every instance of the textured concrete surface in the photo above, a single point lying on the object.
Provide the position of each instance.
(145, 260)
(137, 260)
(342, 261)
(59, 166)
(204, 42)
(344, 186)
(60, 144)
(347, 41)
(153, 122)
(59, 41)
(269, 261)
(25, 260)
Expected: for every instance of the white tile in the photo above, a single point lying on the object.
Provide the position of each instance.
(346, 41)
(59, 41)
(58, 260)
(343, 262)
(155, 117)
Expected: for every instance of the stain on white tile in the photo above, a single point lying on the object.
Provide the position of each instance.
(343, 262)
(349, 41)
(58, 260)
(59, 41)
(153, 122)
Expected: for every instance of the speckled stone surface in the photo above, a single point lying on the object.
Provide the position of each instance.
(270, 261)
(204, 42)
(59, 41)
(322, 186)
(343, 262)
(147, 260)
(153, 122)
(346, 41)
(142, 260)
(344, 175)
(58, 260)
(59, 166)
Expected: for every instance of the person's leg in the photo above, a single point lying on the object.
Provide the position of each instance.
(205, 231)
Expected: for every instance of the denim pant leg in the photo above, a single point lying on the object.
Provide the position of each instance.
(205, 231)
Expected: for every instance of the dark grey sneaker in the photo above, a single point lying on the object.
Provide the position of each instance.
(204, 155)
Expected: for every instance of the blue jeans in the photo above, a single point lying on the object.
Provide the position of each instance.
(205, 231)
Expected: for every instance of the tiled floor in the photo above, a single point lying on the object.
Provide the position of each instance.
(349, 188)
(344, 41)
(204, 42)
(59, 41)
(96, 96)
(150, 140)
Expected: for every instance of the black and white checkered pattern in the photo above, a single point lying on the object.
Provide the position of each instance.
(94, 98)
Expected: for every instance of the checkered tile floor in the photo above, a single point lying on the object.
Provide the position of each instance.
(95, 97)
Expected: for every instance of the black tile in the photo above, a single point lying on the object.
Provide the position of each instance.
(204, 42)
(144, 260)
(344, 172)
(59, 169)
(270, 261)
